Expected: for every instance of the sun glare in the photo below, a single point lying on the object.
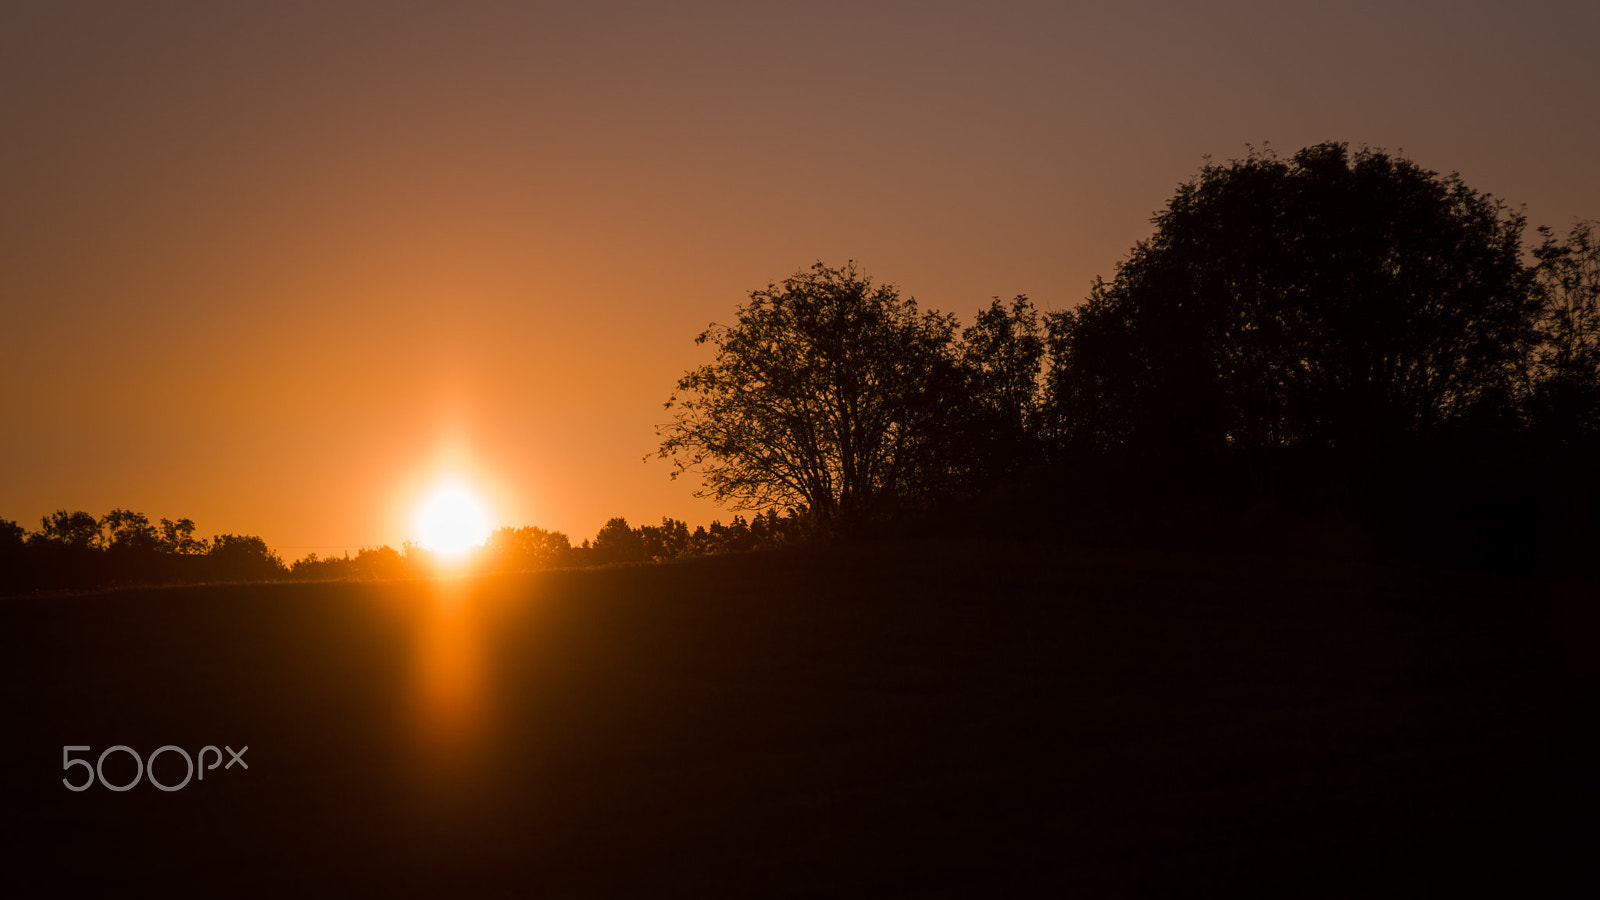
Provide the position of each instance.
(452, 521)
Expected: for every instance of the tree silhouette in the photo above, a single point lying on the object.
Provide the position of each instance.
(14, 568)
(129, 532)
(525, 548)
(178, 537)
(825, 394)
(669, 540)
(237, 557)
(74, 530)
(616, 542)
(1337, 301)
(1565, 391)
(993, 427)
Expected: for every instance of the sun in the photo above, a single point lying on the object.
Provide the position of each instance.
(451, 520)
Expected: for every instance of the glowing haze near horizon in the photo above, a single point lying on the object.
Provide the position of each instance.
(281, 268)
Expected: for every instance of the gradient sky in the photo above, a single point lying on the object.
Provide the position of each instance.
(277, 266)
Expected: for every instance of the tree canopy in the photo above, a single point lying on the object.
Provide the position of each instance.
(825, 395)
(1565, 371)
(1335, 300)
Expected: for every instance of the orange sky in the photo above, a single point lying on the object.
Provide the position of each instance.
(276, 266)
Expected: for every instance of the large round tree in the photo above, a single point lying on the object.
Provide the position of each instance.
(1342, 301)
(824, 395)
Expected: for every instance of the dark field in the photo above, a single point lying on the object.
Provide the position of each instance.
(915, 720)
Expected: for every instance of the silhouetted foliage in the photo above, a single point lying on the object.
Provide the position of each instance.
(737, 537)
(12, 536)
(312, 567)
(237, 557)
(673, 539)
(616, 542)
(993, 420)
(669, 540)
(1337, 303)
(71, 530)
(13, 556)
(129, 532)
(771, 531)
(825, 394)
(529, 548)
(369, 564)
(1564, 400)
(380, 563)
(66, 551)
(519, 549)
(74, 550)
(178, 537)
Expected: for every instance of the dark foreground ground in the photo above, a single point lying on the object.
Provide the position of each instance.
(919, 720)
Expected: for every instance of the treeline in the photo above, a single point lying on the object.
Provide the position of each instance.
(77, 551)
(1340, 347)
(530, 548)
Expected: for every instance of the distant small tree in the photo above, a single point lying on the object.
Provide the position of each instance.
(132, 548)
(178, 537)
(13, 553)
(669, 540)
(237, 557)
(738, 538)
(379, 563)
(331, 568)
(525, 548)
(75, 530)
(12, 535)
(716, 538)
(767, 529)
(129, 532)
(307, 567)
(616, 542)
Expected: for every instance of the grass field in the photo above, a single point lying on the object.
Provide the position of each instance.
(914, 719)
